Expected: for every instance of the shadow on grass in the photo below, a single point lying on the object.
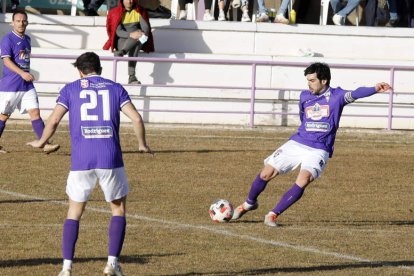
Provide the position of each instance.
(135, 259)
(22, 201)
(194, 151)
(401, 264)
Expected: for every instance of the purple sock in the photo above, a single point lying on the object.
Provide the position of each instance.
(290, 197)
(257, 187)
(38, 126)
(116, 235)
(70, 236)
(2, 126)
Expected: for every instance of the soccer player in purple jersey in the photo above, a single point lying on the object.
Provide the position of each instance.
(16, 85)
(94, 104)
(320, 110)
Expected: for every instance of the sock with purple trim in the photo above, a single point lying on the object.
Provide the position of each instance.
(256, 189)
(289, 198)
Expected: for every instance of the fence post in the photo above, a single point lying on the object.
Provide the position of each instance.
(253, 95)
(391, 98)
(114, 68)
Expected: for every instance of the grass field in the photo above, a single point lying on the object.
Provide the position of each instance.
(358, 219)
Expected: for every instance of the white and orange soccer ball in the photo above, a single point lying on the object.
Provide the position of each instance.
(221, 211)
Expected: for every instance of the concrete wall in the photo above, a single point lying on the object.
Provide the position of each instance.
(232, 41)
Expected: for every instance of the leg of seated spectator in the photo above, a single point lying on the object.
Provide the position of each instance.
(134, 52)
(350, 6)
(209, 6)
(183, 14)
(336, 5)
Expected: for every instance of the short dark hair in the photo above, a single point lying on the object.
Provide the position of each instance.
(88, 63)
(19, 12)
(322, 71)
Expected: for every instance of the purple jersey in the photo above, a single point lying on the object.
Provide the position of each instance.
(320, 115)
(18, 49)
(94, 105)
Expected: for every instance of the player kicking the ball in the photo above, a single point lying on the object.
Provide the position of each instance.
(320, 110)
(94, 106)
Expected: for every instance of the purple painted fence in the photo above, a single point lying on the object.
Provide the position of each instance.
(253, 88)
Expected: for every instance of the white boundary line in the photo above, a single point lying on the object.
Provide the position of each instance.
(215, 230)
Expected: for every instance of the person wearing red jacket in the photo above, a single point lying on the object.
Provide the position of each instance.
(129, 32)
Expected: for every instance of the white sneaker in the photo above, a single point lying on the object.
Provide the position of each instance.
(263, 18)
(338, 20)
(270, 219)
(222, 16)
(208, 17)
(2, 150)
(113, 271)
(245, 17)
(280, 18)
(183, 15)
(65, 272)
(243, 209)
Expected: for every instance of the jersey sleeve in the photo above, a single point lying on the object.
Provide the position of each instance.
(361, 92)
(6, 50)
(124, 97)
(63, 98)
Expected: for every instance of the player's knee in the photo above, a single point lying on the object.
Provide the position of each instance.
(4, 117)
(34, 113)
(268, 173)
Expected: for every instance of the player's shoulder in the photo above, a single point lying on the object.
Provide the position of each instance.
(337, 91)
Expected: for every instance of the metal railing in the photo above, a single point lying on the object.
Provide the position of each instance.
(253, 88)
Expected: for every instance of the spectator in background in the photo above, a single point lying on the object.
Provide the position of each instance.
(263, 16)
(406, 13)
(91, 7)
(14, 5)
(244, 6)
(129, 31)
(183, 12)
(207, 12)
(280, 15)
(341, 12)
(394, 18)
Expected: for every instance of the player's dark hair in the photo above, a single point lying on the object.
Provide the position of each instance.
(19, 12)
(88, 63)
(322, 71)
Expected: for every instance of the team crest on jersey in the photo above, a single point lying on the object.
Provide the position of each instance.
(24, 55)
(317, 111)
(84, 83)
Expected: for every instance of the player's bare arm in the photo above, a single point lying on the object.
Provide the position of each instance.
(13, 67)
(130, 111)
(383, 87)
(50, 128)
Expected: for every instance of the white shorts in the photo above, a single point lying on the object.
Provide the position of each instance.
(292, 154)
(23, 101)
(113, 182)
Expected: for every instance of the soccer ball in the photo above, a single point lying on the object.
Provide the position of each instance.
(221, 211)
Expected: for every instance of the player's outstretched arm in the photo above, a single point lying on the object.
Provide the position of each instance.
(382, 87)
(131, 112)
(51, 126)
